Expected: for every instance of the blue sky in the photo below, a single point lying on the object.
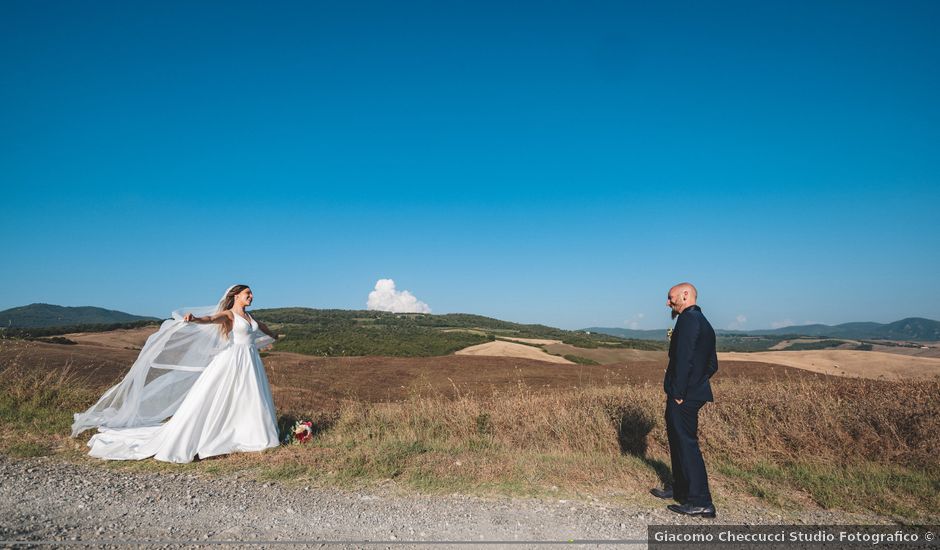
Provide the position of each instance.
(561, 163)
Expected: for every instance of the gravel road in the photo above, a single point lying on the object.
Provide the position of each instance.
(47, 499)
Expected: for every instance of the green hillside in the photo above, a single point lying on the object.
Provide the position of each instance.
(328, 332)
(335, 332)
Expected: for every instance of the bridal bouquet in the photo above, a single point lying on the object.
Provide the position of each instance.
(302, 432)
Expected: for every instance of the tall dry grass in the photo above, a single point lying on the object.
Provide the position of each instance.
(828, 420)
(857, 444)
(36, 406)
(831, 420)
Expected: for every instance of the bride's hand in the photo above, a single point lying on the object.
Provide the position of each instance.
(188, 317)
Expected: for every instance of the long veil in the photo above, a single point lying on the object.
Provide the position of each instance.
(168, 365)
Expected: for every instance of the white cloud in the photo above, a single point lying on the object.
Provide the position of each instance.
(633, 323)
(386, 298)
(781, 324)
(738, 323)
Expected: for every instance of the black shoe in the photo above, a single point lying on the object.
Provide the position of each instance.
(690, 510)
(664, 493)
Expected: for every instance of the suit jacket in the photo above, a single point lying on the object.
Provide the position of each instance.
(693, 358)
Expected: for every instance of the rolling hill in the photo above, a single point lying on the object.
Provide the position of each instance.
(912, 328)
(336, 332)
(48, 315)
(331, 332)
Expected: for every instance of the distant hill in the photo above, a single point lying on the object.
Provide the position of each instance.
(48, 315)
(912, 328)
(915, 329)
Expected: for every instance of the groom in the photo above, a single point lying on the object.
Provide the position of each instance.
(692, 361)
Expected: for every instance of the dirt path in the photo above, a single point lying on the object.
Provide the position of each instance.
(47, 499)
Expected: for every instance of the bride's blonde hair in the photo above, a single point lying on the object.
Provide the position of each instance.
(226, 303)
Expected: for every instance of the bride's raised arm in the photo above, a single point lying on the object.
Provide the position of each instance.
(218, 318)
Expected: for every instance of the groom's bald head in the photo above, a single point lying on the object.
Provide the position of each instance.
(685, 289)
(680, 297)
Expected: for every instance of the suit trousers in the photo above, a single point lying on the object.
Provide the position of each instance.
(690, 481)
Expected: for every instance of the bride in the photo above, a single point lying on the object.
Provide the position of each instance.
(202, 371)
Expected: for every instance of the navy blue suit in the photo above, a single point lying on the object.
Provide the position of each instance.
(693, 359)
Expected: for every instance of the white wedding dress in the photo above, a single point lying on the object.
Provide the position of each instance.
(228, 407)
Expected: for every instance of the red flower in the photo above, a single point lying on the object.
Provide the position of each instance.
(303, 431)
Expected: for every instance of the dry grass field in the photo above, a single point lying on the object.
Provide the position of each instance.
(931, 349)
(133, 338)
(606, 356)
(784, 435)
(857, 364)
(500, 348)
(897, 347)
(305, 382)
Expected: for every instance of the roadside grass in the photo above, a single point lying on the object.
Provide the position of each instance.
(849, 444)
(897, 492)
(28, 449)
(33, 402)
